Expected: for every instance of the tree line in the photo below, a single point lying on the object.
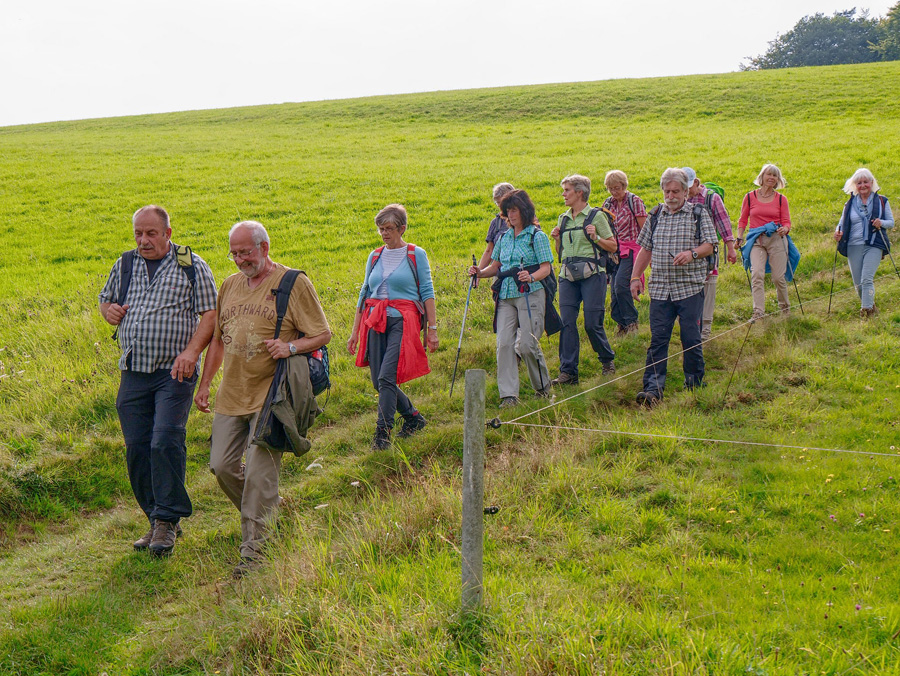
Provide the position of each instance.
(845, 37)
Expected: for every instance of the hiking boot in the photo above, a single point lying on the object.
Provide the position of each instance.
(564, 379)
(382, 438)
(412, 425)
(864, 313)
(648, 399)
(621, 331)
(247, 565)
(144, 541)
(609, 368)
(873, 310)
(162, 542)
(545, 393)
(509, 402)
(757, 314)
(631, 329)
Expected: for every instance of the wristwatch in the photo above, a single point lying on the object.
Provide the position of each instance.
(292, 348)
(432, 328)
(694, 254)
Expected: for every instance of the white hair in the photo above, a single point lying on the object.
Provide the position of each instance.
(578, 183)
(850, 185)
(257, 231)
(160, 213)
(501, 190)
(770, 169)
(673, 174)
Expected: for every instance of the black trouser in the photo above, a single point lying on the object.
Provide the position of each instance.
(383, 352)
(153, 411)
(621, 303)
(663, 313)
(592, 292)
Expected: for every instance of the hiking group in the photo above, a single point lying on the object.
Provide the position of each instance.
(163, 301)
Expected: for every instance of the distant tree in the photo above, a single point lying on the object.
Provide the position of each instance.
(888, 47)
(820, 40)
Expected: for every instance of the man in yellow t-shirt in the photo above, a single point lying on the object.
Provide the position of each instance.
(244, 340)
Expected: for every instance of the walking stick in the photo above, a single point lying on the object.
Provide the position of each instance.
(888, 247)
(463, 327)
(793, 279)
(833, 268)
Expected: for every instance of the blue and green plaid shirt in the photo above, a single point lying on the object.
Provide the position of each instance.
(531, 247)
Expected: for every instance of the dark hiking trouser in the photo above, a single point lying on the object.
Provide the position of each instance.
(663, 313)
(153, 411)
(591, 292)
(621, 304)
(383, 352)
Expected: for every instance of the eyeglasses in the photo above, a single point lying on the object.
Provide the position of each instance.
(386, 228)
(243, 253)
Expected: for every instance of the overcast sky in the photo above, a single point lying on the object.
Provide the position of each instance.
(73, 59)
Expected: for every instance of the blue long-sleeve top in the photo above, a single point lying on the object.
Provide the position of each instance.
(861, 231)
(401, 285)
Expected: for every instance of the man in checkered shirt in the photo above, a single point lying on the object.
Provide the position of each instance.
(161, 341)
(676, 255)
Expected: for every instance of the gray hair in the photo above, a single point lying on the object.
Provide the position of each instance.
(158, 211)
(501, 190)
(614, 176)
(578, 183)
(674, 174)
(850, 185)
(395, 214)
(257, 231)
(770, 169)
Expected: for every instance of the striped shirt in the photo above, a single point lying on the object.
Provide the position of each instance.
(675, 233)
(163, 314)
(514, 251)
(627, 228)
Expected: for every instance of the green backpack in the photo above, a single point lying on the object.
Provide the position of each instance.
(716, 188)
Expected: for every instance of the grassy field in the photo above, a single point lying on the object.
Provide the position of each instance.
(611, 553)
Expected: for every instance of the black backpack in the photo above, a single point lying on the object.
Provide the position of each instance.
(712, 260)
(319, 365)
(605, 259)
(184, 257)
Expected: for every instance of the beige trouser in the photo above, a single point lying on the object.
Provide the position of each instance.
(252, 486)
(774, 250)
(709, 305)
(512, 314)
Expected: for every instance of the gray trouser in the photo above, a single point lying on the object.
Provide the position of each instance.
(709, 304)
(252, 486)
(512, 313)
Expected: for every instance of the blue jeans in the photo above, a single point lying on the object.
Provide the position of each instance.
(153, 411)
(383, 351)
(663, 313)
(621, 304)
(864, 261)
(591, 292)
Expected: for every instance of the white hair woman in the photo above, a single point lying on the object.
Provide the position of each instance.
(860, 235)
(768, 216)
(387, 323)
(498, 226)
(630, 214)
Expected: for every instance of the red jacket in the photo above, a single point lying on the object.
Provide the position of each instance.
(413, 361)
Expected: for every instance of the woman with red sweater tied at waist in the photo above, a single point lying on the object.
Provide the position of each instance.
(761, 207)
(386, 327)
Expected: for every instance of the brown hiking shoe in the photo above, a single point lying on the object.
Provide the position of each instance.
(144, 542)
(162, 541)
(564, 379)
(609, 368)
(631, 329)
(245, 567)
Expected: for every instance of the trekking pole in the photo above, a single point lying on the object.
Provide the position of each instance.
(527, 289)
(793, 279)
(888, 247)
(463, 327)
(736, 361)
(833, 268)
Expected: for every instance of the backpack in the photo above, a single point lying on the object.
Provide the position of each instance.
(184, 257)
(713, 259)
(411, 261)
(884, 244)
(319, 365)
(716, 188)
(609, 260)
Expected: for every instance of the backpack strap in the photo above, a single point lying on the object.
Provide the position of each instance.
(411, 259)
(184, 257)
(282, 296)
(698, 219)
(125, 270)
(654, 219)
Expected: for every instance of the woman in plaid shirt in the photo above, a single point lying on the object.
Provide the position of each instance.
(521, 296)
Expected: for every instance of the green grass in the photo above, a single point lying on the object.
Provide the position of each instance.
(611, 553)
